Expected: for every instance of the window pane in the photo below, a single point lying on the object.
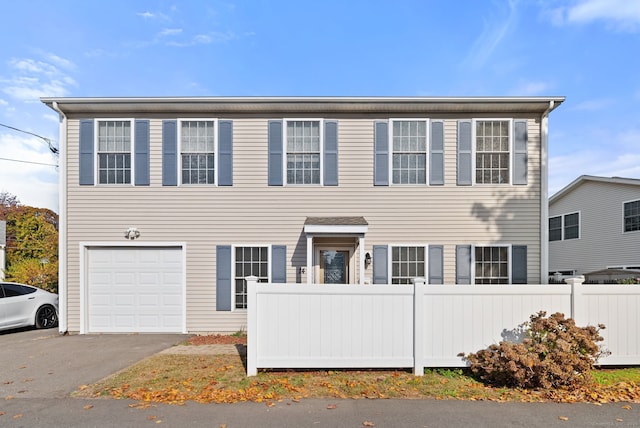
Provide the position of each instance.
(303, 152)
(114, 152)
(491, 265)
(249, 261)
(492, 152)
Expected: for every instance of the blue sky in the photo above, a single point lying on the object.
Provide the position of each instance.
(586, 50)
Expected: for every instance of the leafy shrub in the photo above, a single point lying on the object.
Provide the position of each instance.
(555, 352)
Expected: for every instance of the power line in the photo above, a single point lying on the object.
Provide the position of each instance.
(46, 140)
(23, 161)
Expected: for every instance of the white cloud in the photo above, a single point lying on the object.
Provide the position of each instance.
(170, 32)
(492, 36)
(593, 105)
(32, 79)
(619, 15)
(146, 15)
(564, 169)
(205, 39)
(33, 184)
(529, 88)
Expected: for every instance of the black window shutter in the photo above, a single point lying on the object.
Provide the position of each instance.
(169, 153)
(330, 153)
(520, 155)
(436, 172)
(436, 268)
(381, 153)
(464, 153)
(276, 153)
(224, 283)
(519, 264)
(141, 154)
(380, 264)
(463, 264)
(279, 264)
(225, 153)
(86, 152)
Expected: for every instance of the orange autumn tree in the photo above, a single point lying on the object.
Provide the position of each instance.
(32, 243)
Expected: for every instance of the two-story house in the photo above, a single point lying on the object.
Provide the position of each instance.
(594, 229)
(167, 204)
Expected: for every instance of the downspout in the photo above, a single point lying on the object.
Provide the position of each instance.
(544, 199)
(62, 222)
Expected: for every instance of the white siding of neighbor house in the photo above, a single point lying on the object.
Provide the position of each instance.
(251, 212)
(602, 239)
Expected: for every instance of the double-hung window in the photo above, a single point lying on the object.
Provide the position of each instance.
(409, 146)
(566, 226)
(491, 264)
(631, 216)
(407, 263)
(304, 148)
(114, 151)
(197, 151)
(249, 261)
(492, 149)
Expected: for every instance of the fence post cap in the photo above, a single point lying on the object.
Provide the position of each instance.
(575, 280)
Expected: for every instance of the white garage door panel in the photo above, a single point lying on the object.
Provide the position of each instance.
(135, 290)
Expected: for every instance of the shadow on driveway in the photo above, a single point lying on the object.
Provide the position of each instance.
(42, 363)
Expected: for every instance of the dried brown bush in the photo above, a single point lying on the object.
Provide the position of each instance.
(555, 352)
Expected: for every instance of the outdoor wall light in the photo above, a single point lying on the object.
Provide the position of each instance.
(367, 259)
(132, 233)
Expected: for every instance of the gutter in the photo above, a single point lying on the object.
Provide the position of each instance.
(62, 221)
(544, 190)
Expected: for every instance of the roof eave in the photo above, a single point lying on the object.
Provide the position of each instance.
(302, 104)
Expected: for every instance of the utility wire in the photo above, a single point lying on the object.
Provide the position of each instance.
(46, 140)
(23, 161)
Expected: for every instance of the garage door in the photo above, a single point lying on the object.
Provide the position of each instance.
(135, 290)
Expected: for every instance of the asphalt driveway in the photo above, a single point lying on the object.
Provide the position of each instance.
(44, 364)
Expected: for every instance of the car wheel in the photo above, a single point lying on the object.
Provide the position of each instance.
(46, 317)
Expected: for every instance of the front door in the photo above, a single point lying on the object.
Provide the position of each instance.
(334, 267)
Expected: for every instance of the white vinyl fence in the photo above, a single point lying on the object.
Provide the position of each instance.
(393, 326)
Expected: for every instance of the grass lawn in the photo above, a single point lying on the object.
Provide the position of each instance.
(222, 379)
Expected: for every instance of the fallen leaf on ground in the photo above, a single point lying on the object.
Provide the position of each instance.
(368, 424)
(619, 420)
(9, 397)
(18, 416)
(563, 418)
(626, 407)
(2, 413)
(331, 406)
(88, 406)
(151, 418)
(83, 387)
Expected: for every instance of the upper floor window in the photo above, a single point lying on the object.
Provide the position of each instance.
(407, 262)
(303, 144)
(492, 265)
(565, 226)
(631, 216)
(409, 159)
(197, 151)
(114, 151)
(492, 140)
(555, 228)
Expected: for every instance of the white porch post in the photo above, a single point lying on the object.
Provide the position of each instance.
(361, 254)
(309, 259)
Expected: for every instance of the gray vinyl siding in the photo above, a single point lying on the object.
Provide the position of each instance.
(602, 242)
(252, 212)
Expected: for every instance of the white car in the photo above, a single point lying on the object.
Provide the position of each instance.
(23, 305)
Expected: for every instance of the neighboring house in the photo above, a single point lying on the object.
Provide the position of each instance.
(594, 228)
(167, 204)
